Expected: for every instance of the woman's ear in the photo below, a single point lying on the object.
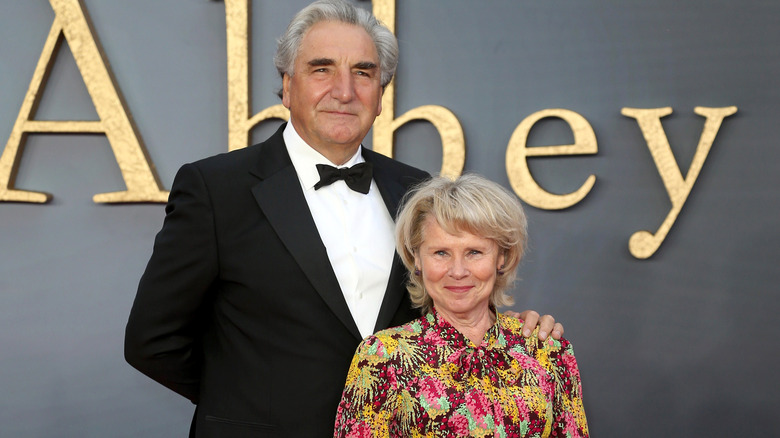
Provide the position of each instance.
(501, 262)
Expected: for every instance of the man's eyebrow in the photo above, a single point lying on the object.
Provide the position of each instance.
(321, 61)
(365, 65)
(362, 65)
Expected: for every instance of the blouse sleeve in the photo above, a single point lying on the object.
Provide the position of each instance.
(568, 411)
(366, 408)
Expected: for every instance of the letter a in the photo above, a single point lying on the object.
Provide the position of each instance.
(142, 185)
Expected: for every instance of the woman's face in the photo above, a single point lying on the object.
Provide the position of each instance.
(458, 270)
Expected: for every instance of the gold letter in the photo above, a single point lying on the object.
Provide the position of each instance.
(142, 185)
(643, 244)
(239, 123)
(453, 143)
(517, 153)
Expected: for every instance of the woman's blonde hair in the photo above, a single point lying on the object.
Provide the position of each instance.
(470, 203)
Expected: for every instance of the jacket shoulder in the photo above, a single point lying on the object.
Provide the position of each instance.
(271, 150)
(393, 164)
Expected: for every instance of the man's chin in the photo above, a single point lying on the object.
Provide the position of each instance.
(345, 136)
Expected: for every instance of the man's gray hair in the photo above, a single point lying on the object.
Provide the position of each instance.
(341, 11)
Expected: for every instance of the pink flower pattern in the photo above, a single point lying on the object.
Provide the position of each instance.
(426, 379)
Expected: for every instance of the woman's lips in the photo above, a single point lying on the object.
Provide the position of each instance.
(458, 289)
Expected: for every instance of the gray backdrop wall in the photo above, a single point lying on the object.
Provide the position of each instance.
(682, 344)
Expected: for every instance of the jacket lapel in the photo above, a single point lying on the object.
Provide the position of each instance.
(280, 197)
(392, 187)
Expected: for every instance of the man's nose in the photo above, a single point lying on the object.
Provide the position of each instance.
(343, 86)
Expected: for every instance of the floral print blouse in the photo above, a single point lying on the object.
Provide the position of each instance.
(425, 379)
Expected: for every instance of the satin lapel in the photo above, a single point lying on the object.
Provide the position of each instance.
(392, 189)
(280, 197)
(391, 186)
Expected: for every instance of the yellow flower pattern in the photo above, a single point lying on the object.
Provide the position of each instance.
(425, 379)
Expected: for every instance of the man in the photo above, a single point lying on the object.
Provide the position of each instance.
(264, 278)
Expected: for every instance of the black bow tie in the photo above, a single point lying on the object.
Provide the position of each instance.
(357, 177)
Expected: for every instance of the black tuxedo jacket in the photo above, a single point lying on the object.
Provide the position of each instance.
(239, 309)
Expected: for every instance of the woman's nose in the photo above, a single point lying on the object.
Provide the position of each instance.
(458, 268)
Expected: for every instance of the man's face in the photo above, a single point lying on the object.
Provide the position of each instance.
(334, 94)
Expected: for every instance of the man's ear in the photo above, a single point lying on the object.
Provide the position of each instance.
(286, 90)
(379, 105)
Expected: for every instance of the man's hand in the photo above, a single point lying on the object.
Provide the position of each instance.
(546, 323)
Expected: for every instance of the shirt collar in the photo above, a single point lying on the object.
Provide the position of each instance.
(305, 158)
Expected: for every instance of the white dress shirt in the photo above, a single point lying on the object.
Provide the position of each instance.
(357, 231)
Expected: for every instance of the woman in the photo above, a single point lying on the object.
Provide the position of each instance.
(462, 369)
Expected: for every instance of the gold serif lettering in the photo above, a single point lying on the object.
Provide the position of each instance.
(445, 122)
(70, 22)
(517, 155)
(239, 122)
(644, 244)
